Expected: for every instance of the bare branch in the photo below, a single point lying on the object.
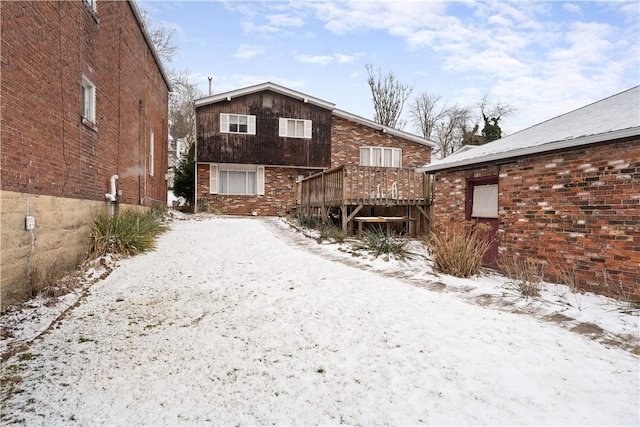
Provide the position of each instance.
(426, 111)
(389, 96)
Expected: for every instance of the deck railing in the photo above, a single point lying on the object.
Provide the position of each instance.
(366, 185)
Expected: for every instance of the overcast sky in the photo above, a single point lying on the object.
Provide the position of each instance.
(544, 58)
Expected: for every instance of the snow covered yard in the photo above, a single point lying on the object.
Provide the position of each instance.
(236, 321)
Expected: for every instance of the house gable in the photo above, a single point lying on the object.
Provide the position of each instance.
(266, 146)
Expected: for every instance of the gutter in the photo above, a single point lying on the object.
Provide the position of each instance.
(538, 149)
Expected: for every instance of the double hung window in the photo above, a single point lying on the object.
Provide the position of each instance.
(381, 156)
(88, 100)
(294, 128)
(237, 123)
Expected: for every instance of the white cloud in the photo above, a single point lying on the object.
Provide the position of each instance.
(588, 43)
(282, 20)
(247, 51)
(339, 58)
(573, 8)
(315, 59)
(347, 59)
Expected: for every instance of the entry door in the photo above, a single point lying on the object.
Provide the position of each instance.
(482, 206)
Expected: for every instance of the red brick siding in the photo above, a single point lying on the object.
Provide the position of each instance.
(46, 150)
(580, 207)
(279, 194)
(347, 137)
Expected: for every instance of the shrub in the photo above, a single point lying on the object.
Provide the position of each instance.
(333, 232)
(307, 221)
(457, 248)
(379, 242)
(525, 276)
(127, 232)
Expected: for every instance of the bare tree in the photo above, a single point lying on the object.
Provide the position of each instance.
(182, 115)
(389, 96)
(426, 111)
(491, 116)
(450, 131)
(162, 38)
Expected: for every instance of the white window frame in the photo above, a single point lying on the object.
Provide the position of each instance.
(217, 170)
(151, 151)
(227, 120)
(301, 128)
(92, 4)
(88, 92)
(381, 157)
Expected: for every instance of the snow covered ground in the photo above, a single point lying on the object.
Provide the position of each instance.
(236, 321)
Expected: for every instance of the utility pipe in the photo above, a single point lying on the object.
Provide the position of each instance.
(112, 195)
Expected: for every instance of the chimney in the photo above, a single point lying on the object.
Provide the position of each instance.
(210, 78)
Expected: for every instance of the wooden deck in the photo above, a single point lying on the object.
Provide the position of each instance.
(352, 188)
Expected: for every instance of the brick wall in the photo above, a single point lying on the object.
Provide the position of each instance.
(580, 208)
(347, 137)
(55, 167)
(279, 194)
(46, 149)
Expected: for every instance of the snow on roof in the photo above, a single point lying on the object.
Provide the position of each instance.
(617, 116)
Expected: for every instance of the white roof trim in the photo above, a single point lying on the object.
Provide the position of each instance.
(386, 129)
(558, 145)
(227, 96)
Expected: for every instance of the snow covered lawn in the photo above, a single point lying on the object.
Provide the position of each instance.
(244, 321)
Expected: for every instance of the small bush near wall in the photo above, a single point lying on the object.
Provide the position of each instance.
(525, 275)
(379, 242)
(128, 232)
(457, 248)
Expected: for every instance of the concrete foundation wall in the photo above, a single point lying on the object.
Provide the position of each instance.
(58, 243)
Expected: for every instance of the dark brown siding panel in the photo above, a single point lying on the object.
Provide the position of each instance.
(266, 147)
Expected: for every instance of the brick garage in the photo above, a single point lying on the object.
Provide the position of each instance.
(578, 206)
(56, 165)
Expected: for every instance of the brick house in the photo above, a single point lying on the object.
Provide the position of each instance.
(255, 144)
(564, 194)
(84, 100)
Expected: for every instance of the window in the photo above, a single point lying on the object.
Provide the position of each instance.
(151, 157)
(236, 179)
(485, 201)
(91, 4)
(237, 123)
(379, 156)
(295, 128)
(88, 100)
